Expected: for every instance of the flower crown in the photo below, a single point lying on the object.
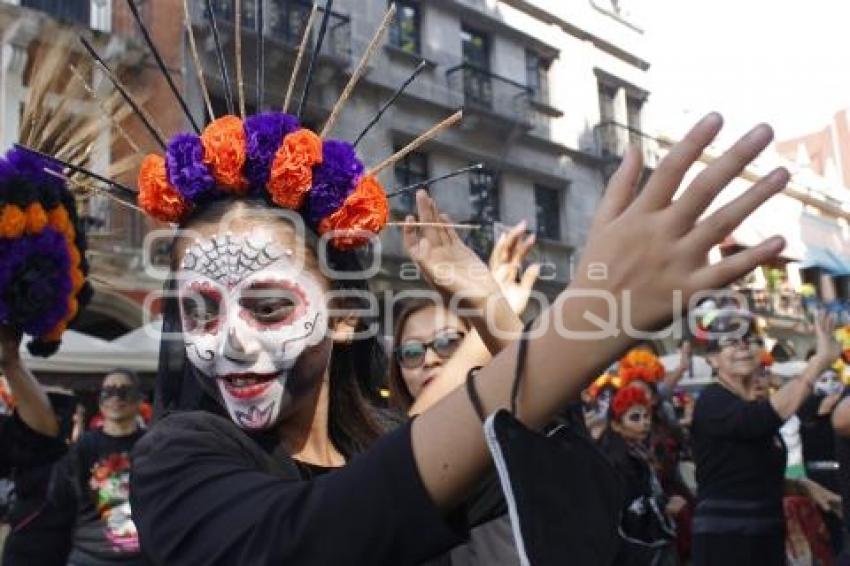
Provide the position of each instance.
(602, 382)
(267, 155)
(42, 251)
(640, 365)
(626, 398)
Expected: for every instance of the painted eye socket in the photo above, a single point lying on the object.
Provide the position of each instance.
(200, 309)
(270, 303)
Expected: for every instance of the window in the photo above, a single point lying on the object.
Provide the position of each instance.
(411, 170)
(547, 202)
(287, 21)
(634, 106)
(477, 87)
(78, 12)
(537, 75)
(484, 196)
(607, 97)
(404, 31)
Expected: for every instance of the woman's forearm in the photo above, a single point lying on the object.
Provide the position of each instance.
(790, 397)
(31, 402)
(448, 439)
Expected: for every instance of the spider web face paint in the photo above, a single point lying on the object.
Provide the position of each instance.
(249, 311)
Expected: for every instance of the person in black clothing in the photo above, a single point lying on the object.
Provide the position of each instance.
(93, 479)
(818, 441)
(248, 334)
(841, 426)
(740, 457)
(647, 530)
(29, 442)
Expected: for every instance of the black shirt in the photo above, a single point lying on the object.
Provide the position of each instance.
(203, 492)
(816, 431)
(94, 478)
(740, 463)
(842, 454)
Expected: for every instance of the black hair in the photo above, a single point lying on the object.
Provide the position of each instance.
(135, 382)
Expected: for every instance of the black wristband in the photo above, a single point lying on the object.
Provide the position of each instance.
(472, 392)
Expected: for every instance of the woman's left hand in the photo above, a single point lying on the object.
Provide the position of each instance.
(825, 499)
(506, 262)
(828, 350)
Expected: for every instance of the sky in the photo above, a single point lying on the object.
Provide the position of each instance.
(786, 62)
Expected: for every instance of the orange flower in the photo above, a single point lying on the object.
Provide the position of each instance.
(291, 175)
(225, 153)
(61, 221)
(766, 358)
(156, 195)
(640, 364)
(365, 209)
(36, 218)
(13, 221)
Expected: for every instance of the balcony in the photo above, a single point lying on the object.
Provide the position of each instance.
(284, 22)
(778, 303)
(72, 12)
(612, 139)
(488, 94)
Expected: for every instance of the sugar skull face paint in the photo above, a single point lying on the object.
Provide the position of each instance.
(249, 310)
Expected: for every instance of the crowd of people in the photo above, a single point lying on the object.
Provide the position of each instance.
(495, 445)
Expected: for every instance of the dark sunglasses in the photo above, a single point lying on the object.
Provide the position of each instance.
(120, 392)
(747, 340)
(411, 354)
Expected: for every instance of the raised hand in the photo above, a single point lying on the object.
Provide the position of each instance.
(506, 262)
(449, 265)
(646, 245)
(827, 347)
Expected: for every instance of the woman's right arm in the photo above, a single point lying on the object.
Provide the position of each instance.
(644, 252)
(31, 402)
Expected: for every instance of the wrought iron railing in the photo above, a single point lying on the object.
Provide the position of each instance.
(284, 22)
(612, 139)
(488, 91)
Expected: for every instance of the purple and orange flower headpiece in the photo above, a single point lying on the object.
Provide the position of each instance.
(42, 251)
(269, 155)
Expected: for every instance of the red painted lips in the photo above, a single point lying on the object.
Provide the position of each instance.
(248, 385)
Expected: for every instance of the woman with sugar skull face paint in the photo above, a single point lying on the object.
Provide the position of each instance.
(293, 470)
(647, 531)
(283, 464)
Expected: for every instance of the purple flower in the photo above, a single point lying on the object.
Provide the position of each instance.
(184, 163)
(334, 179)
(35, 281)
(31, 169)
(264, 133)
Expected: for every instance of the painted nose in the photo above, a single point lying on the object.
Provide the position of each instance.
(235, 349)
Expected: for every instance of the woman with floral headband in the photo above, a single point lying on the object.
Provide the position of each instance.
(647, 530)
(297, 473)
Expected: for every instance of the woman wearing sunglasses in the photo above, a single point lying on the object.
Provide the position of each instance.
(428, 333)
(740, 456)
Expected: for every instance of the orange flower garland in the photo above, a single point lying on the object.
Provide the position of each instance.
(156, 195)
(225, 152)
(291, 174)
(13, 221)
(642, 365)
(36, 218)
(626, 398)
(365, 209)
